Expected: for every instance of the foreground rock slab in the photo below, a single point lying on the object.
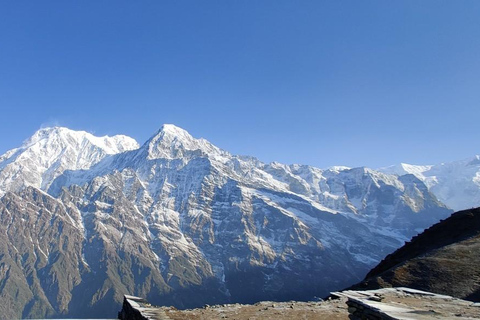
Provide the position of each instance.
(405, 303)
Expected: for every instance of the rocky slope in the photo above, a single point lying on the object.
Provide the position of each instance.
(443, 259)
(181, 222)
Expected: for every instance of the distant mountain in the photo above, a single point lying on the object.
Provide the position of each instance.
(457, 184)
(443, 259)
(51, 151)
(180, 221)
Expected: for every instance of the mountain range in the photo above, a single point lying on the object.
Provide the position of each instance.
(456, 184)
(179, 221)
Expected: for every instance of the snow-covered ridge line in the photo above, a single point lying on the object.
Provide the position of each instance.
(51, 151)
(110, 144)
(456, 183)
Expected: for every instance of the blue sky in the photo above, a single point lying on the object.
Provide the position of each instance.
(357, 83)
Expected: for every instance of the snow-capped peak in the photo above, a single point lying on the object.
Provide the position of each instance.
(110, 145)
(172, 129)
(457, 183)
(172, 142)
(51, 151)
(405, 168)
(338, 168)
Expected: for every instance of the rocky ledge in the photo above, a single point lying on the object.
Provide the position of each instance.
(405, 303)
(135, 308)
(381, 304)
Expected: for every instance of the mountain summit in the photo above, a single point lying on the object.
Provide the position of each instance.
(51, 151)
(85, 220)
(172, 142)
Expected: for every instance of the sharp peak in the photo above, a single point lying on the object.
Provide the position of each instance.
(171, 133)
(173, 130)
(174, 142)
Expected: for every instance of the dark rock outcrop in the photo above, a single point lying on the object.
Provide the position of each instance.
(135, 308)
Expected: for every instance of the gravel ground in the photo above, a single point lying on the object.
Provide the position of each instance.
(332, 309)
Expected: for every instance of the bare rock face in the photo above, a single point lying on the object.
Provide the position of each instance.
(41, 255)
(443, 259)
(181, 222)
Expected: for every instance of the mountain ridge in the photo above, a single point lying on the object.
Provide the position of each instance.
(455, 183)
(182, 222)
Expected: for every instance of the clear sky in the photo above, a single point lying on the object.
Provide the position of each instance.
(356, 83)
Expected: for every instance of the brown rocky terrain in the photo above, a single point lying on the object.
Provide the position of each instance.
(380, 304)
(443, 259)
(336, 309)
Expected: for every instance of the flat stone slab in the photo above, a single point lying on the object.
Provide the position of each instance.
(407, 304)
